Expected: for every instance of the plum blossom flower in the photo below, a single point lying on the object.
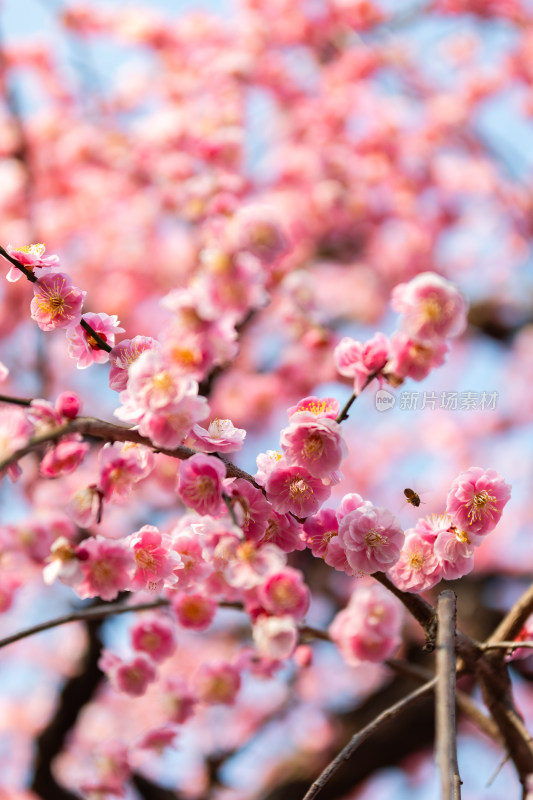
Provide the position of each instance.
(155, 637)
(155, 561)
(315, 444)
(121, 466)
(56, 302)
(283, 531)
(63, 563)
(275, 637)
(64, 458)
(32, 257)
(107, 567)
(417, 568)
(413, 358)
(131, 677)
(195, 611)
(319, 530)
(372, 538)
(454, 551)
(434, 308)
(220, 437)
(295, 490)
(84, 347)
(250, 506)
(200, 483)
(193, 568)
(476, 501)
(179, 700)
(359, 360)
(320, 407)
(217, 682)
(266, 463)
(285, 593)
(122, 357)
(369, 628)
(85, 505)
(68, 405)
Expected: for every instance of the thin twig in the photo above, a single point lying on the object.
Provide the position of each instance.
(95, 612)
(464, 702)
(446, 740)
(514, 620)
(343, 414)
(506, 645)
(362, 735)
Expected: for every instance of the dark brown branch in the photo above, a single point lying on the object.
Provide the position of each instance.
(76, 692)
(99, 429)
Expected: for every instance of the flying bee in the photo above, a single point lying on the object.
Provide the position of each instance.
(412, 497)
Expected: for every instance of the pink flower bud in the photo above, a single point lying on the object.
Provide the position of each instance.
(68, 404)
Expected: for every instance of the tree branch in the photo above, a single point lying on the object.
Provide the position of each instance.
(446, 743)
(99, 429)
(360, 737)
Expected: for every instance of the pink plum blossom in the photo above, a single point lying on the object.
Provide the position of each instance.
(247, 563)
(84, 347)
(418, 568)
(372, 538)
(68, 405)
(266, 463)
(283, 531)
(122, 357)
(295, 490)
(319, 530)
(106, 566)
(413, 358)
(217, 682)
(85, 505)
(131, 677)
(122, 466)
(315, 444)
(476, 501)
(200, 483)
(32, 257)
(433, 307)
(221, 436)
(250, 506)
(194, 568)
(275, 637)
(285, 593)
(56, 302)
(349, 502)
(179, 700)
(320, 407)
(454, 551)
(369, 628)
(155, 561)
(360, 360)
(64, 458)
(63, 563)
(194, 611)
(155, 637)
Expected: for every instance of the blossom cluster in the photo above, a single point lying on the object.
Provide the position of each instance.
(433, 311)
